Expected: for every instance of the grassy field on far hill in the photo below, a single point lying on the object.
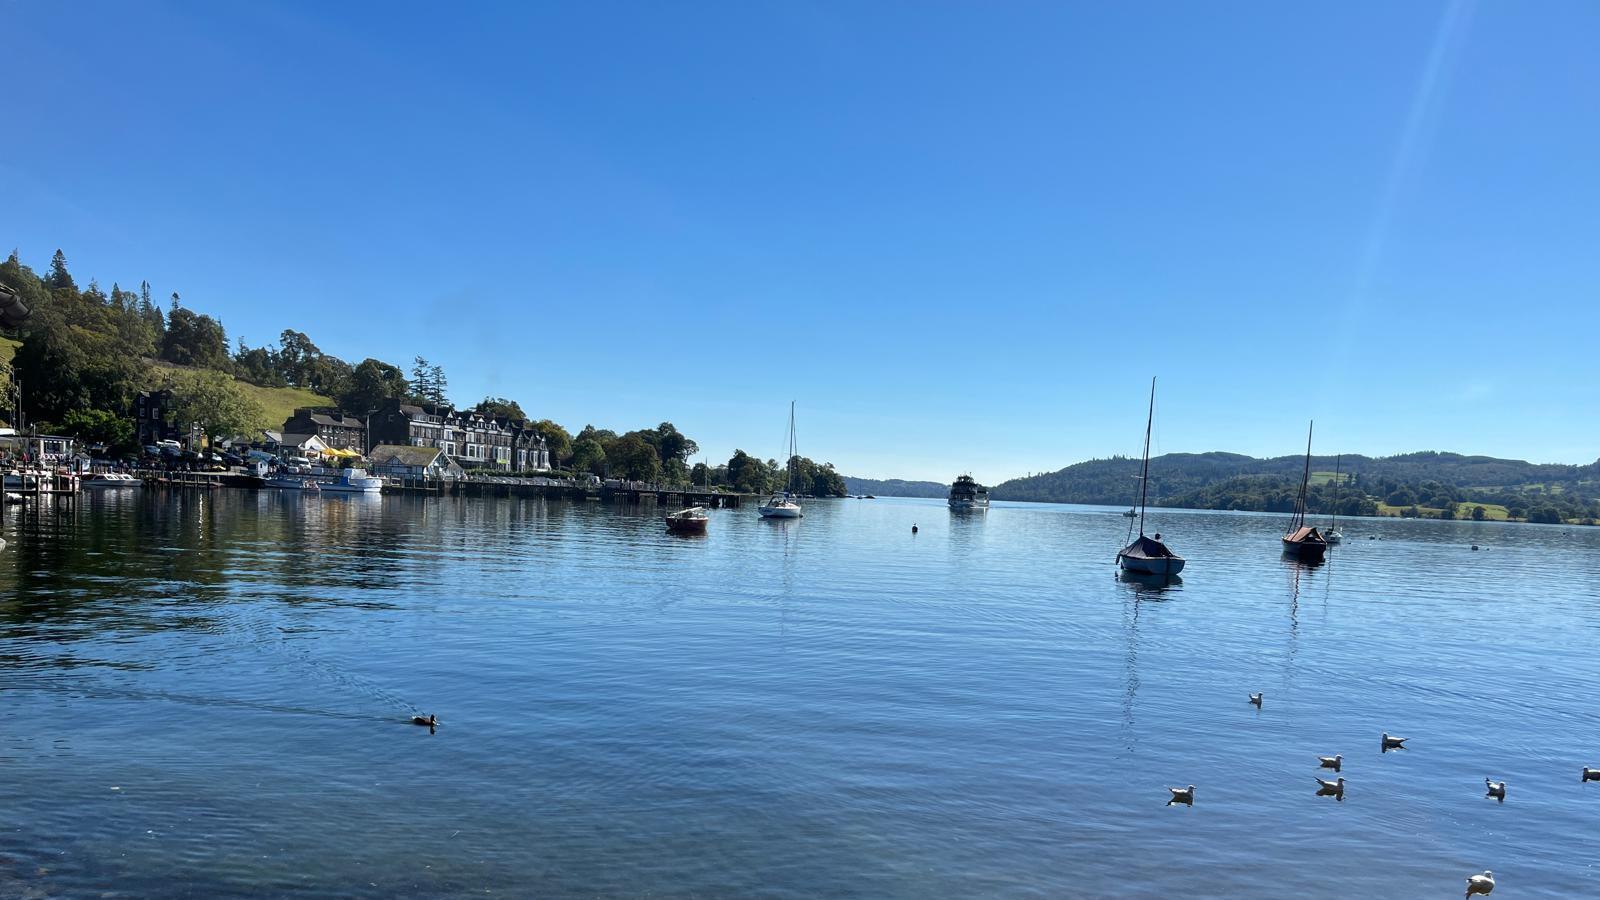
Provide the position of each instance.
(1492, 512)
(8, 349)
(279, 403)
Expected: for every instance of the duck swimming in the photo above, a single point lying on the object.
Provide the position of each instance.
(430, 721)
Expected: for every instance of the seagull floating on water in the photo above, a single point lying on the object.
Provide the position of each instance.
(1497, 789)
(1182, 795)
(1591, 774)
(1330, 787)
(1335, 762)
(1255, 700)
(1480, 884)
(1393, 743)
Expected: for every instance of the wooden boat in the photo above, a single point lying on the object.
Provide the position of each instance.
(1148, 555)
(1301, 540)
(689, 521)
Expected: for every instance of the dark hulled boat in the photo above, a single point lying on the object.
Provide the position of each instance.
(1147, 555)
(1301, 540)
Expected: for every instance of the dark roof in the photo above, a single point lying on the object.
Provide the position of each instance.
(403, 455)
(340, 421)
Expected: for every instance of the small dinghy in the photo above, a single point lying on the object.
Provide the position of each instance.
(689, 521)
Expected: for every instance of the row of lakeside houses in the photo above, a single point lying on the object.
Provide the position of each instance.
(465, 438)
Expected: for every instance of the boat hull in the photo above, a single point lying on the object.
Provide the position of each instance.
(94, 484)
(1165, 565)
(781, 512)
(335, 487)
(1307, 550)
(960, 505)
(686, 526)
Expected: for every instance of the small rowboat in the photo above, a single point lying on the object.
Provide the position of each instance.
(689, 521)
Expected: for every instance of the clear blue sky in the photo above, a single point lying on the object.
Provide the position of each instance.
(962, 236)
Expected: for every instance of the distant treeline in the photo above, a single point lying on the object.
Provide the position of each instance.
(895, 487)
(1421, 484)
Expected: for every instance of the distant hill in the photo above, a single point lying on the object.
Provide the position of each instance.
(895, 487)
(1409, 482)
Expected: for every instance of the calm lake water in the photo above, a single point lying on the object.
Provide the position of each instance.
(209, 696)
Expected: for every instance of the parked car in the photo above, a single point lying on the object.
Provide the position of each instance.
(152, 450)
(169, 445)
(232, 459)
(298, 461)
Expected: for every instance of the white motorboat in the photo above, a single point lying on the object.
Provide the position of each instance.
(1147, 555)
(352, 481)
(783, 505)
(105, 480)
(293, 483)
(967, 495)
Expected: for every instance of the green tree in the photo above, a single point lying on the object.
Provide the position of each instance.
(98, 426)
(297, 356)
(500, 407)
(215, 402)
(60, 278)
(1479, 513)
(588, 456)
(428, 382)
(670, 443)
(1547, 515)
(631, 457)
(747, 474)
(674, 472)
(371, 383)
(1447, 511)
(558, 440)
(700, 475)
(196, 340)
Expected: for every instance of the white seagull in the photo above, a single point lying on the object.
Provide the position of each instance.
(1335, 762)
(1182, 795)
(1480, 884)
(1497, 789)
(1394, 743)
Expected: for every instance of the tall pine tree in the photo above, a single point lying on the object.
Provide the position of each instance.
(59, 276)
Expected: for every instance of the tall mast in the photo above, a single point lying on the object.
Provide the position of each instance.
(1144, 474)
(793, 445)
(1305, 480)
(1336, 460)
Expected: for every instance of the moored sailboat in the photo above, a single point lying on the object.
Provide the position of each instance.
(1332, 535)
(1148, 555)
(784, 505)
(1302, 540)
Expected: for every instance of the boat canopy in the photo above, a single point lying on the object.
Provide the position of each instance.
(1306, 535)
(1148, 548)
